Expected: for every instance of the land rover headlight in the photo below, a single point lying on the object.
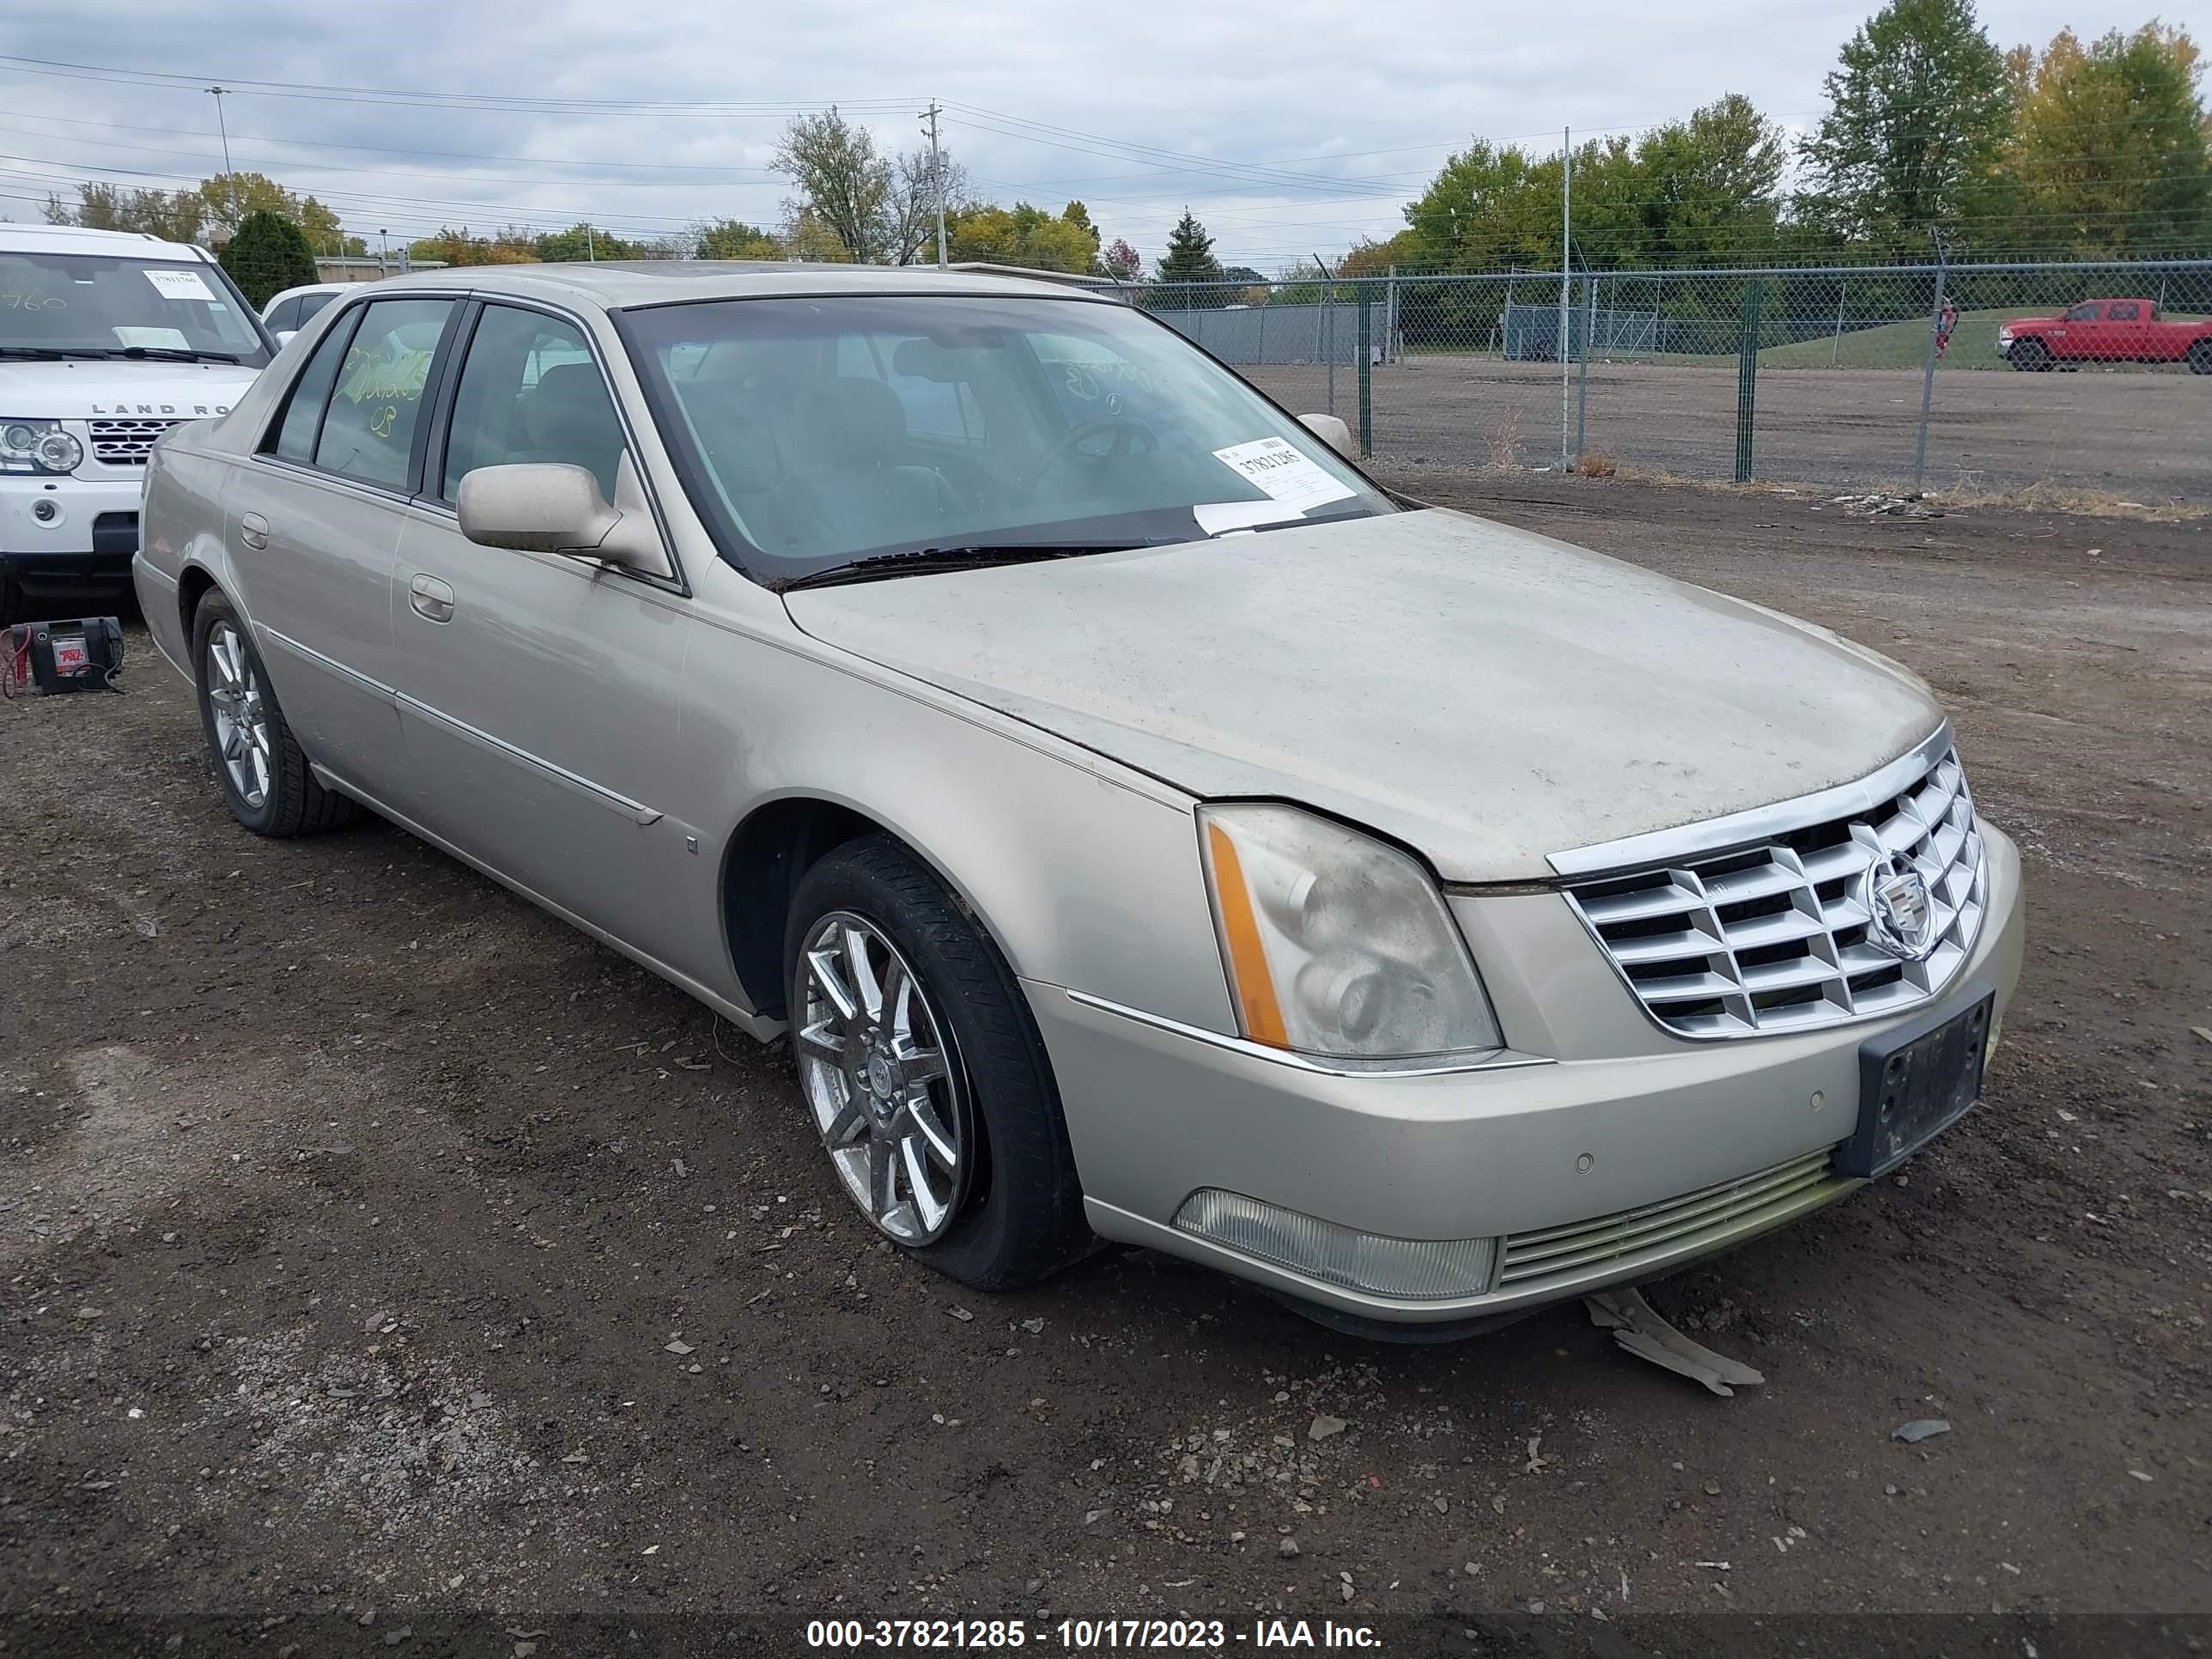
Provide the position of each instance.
(1337, 945)
(38, 446)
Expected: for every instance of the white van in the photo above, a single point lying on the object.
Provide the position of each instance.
(107, 339)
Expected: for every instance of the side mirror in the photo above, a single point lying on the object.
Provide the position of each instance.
(285, 337)
(551, 507)
(1331, 431)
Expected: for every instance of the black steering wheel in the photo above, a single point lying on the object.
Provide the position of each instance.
(1130, 437)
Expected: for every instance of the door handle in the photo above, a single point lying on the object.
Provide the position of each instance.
(432, 600)
(253, 529)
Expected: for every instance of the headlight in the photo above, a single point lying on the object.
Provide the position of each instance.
(38, 446)
(1337, 945)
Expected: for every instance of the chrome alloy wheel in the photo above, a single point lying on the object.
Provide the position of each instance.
(873, 1061)
(241, 715)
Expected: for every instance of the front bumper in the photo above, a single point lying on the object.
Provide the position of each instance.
(83, 543)
(1604, 1151)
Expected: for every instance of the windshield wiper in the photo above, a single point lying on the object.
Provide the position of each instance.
(106, 353)
(175, 355)
(925, 560)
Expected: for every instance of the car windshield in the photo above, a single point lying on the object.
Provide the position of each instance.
(817, 433)
(96, 305)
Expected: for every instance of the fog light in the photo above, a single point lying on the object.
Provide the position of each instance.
(1418, 1269)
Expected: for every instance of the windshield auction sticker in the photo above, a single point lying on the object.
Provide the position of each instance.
(1273, 464)
(179, 285)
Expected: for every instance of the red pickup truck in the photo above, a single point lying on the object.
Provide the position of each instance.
(2106, 331)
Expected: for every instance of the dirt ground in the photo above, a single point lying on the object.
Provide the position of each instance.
(2137, 434)
(385, 1262)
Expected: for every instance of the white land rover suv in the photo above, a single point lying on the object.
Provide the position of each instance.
(107, 339)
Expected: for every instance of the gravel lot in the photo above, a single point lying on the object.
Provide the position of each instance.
(371, 1244)
(2143, 435)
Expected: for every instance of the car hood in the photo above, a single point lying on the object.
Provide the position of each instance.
(80, 389)
(1486, 695)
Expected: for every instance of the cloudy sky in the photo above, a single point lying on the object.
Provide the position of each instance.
(1291, 128)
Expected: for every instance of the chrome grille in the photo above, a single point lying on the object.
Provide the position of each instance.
(126, 442)
(1714, 1214)
(1772, 937)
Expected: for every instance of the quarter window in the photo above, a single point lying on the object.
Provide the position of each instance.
(530, 391)
(303, 413)
(370, 429)
(285, 315)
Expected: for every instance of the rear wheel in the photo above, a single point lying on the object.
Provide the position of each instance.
(2200, 357)
(2030, 356)
(923, 1072)
(258, 764)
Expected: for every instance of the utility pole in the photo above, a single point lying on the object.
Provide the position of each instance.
(936, 175)
(1566, 243)
(384, 253)
(591, 247)
(222, 125)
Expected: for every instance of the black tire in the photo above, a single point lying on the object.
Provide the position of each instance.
(2200, 357)
(1021, 1217)
(2030, 356)
(294, 803)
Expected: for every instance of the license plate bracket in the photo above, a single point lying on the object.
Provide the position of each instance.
(1915, 1082)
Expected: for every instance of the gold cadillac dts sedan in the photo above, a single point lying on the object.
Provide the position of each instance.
(1146, 826)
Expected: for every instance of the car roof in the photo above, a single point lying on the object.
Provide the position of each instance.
(310, 287)
(614, 285)
(75, 239)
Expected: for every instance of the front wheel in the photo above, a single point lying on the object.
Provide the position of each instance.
(2200, 357)
(923, 1072)
(258, 761)
(2030, 356)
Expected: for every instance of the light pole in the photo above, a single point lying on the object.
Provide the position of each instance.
(222, 125)
(384, 253)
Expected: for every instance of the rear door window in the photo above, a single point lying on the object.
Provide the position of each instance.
(369, 433)
(2123, 313)
(294, 437)
(285, 314)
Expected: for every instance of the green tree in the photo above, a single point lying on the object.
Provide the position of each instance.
(1024, 235)
(582, 241)
(1189, 259)
(809, 236)
(266, 254)
(183, 216)
(1920, 111)
(2111, 152)
(1490, 206)
(733, 238)
(231, 195)
(1704, 191)
(177, 216)
(512, 245)
(843, 182)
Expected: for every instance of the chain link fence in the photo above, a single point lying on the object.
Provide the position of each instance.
(1977, 378)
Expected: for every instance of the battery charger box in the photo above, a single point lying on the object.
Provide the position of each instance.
(83, 654)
